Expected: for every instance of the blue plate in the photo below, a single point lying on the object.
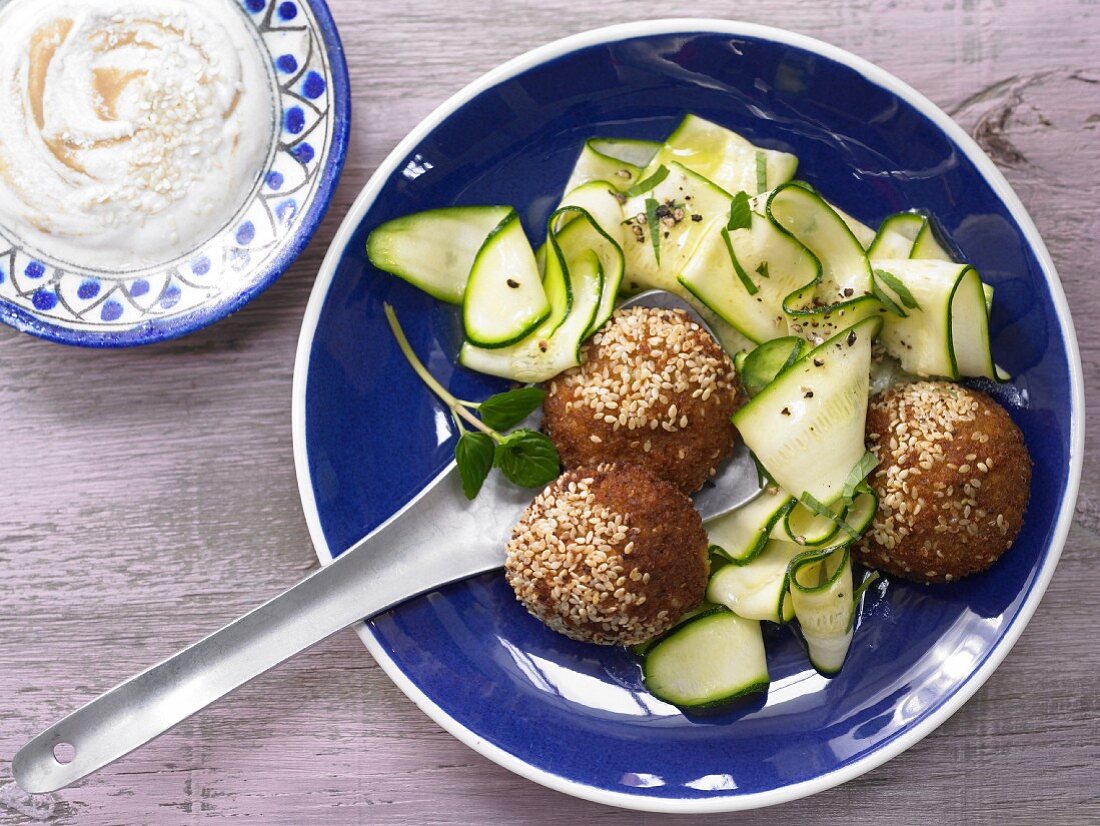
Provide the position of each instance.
(368, 435)
(71, 303)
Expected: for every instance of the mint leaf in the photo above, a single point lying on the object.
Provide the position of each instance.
(821, 510)
(505, 410)
(886, 300)
(762, 270)
(895, 284)
(859, 474)
(654, 227)
(743, 276)
(740, 212)
(761, 172)
(474, 454)
(528, 458)
(649, 183)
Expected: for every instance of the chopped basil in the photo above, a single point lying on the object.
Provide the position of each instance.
(747, 282)
(740, 212)
(821, 510)
(654, 227)
(895, 284)
(649, 183)
(886, 300)
(761, 172)
(859, 474)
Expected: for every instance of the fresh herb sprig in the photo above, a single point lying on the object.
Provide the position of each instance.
(868, 581)
(761, 172)
(899, 288)
(654, 227)
(742, 276)
(648, 184)
(525, 457)
(740, 212)
(856, 482)
(817, 507)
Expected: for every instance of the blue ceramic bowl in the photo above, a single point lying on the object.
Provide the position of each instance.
(72, 304)
(368, 434)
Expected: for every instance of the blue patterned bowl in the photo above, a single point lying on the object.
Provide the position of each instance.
(108, 308)
(368, 435)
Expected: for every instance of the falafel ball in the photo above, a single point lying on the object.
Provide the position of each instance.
(611, 555)
(953, 482)
(653, 388)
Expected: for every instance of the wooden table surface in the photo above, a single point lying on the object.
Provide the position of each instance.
(150, 496)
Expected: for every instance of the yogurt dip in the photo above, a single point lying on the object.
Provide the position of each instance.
(131, 131)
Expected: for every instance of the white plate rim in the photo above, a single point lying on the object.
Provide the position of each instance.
(998, 183)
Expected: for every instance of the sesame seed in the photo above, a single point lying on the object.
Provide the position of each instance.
(566, 563)
(648, 365)
(925, 418)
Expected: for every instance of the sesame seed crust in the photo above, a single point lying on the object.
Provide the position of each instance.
(653, 388)
(610, 555)
(953, 482)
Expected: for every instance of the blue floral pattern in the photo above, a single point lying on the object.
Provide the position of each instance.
(87, 306)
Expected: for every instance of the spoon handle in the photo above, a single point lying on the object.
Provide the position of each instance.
(437, 538)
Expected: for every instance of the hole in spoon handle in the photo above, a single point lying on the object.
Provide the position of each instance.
(49, 762)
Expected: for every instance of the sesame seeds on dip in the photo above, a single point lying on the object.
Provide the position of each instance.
(130, 130)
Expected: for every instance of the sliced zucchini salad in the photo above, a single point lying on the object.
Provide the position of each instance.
(804, 297)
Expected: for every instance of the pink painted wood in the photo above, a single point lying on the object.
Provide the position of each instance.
(150, 495)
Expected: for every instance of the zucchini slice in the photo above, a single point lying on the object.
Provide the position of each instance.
(504, 299)
(802, 527)
(806, 427)
(595, 165)
(656, 263)
(599, 200)
(731, 339)
(947, 334)
(741, 534)
(757, 590)
(724, 157)
(629, 150)
(575, 286)
(863, 233)
(434, 250)
(861, 512)
(927, 245)
(808, 529)
(709, 660)
(821, 594)
(702, 608)
(896, 235)
(921, 339)
(593, 232)
(842, 291)
(970, 342)
(744, 275)
(760, 367)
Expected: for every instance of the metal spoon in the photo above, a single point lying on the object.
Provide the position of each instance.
(437, 538)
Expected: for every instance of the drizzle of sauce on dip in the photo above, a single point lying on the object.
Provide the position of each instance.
(130, 130)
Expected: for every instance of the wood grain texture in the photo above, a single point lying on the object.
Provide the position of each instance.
(149, 494)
